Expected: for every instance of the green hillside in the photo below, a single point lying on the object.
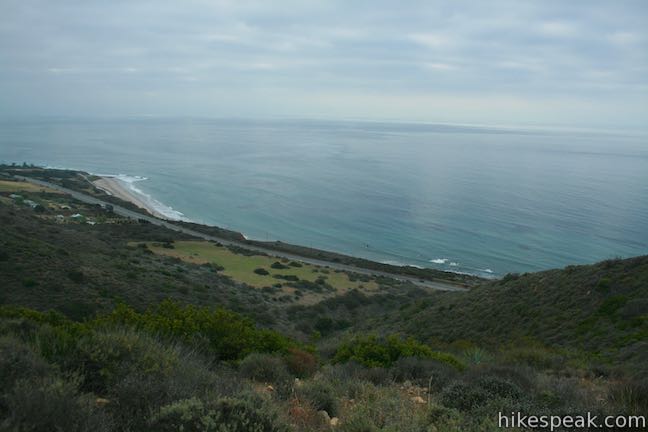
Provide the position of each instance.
(599, 309)
(111, 324)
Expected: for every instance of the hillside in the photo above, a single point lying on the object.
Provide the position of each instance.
(112, 324)
(601, 309)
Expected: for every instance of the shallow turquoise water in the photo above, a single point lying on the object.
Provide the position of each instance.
(466, 199)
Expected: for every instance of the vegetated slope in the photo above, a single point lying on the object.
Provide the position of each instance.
(79, 269)
(599, 309)
(166, 365)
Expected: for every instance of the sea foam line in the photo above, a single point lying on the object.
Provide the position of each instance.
(129, 182)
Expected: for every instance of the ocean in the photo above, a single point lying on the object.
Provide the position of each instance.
(479, 200)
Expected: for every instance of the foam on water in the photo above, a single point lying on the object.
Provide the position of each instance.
(130, 182)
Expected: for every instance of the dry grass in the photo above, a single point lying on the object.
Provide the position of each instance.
(18, 186)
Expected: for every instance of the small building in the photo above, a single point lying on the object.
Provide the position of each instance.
(78, 217)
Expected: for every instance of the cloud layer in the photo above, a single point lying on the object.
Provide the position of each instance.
(574, 63)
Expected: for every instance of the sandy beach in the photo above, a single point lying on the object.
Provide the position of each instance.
(120, 189)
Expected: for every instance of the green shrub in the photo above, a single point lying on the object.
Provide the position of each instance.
(497, 387)
(631, 396)
(264, 368)
(611, 305)
(319, 286)
(520, 376)
(320, 395)
(475, 355)
(224, 415)
(278, 266)
(291, 278)
(19, 361)
(105, 357)
(423, 372)
(225, 334)
(133, 397)
(261, 271)
(603, 285)
(463, 397)
(76, 276)
(444, 419)
(383, 409)
(533, 356)
(53, 404)
(341, 374)
(373, 352)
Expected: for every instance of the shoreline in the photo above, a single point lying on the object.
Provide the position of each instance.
(121, 189)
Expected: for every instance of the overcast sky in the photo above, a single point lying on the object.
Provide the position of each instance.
(580, 63)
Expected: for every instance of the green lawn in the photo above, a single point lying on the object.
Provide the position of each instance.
(241, 268)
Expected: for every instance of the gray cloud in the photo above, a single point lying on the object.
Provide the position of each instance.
(577, 62)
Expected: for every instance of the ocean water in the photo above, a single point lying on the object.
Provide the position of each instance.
(480, 200)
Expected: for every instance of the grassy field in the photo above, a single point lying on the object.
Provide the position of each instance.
(241, 267)
(17, 186)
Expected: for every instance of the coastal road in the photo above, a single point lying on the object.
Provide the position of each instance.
(433, 285)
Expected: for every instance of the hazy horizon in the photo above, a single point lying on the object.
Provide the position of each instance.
(576, 64)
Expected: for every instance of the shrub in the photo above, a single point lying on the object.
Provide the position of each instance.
(278, 266)
(497, 387)
(53, 404)
(319, 286)
(383, 409)
(320, 395)
(423, 372)
(522, 377)
(133, 397)
(105, 357)
(611, 305)
(631, 396)
(603, 285)
(373, 352)
(477, 356)
(306, 418)
(19, 361)
(301, 363)
(261, 271)
(225, 334)
(535, 357)
(291, 278)
(264, 368)
(463, 396)
(224, 415)
(76, 276)
(444, 418)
